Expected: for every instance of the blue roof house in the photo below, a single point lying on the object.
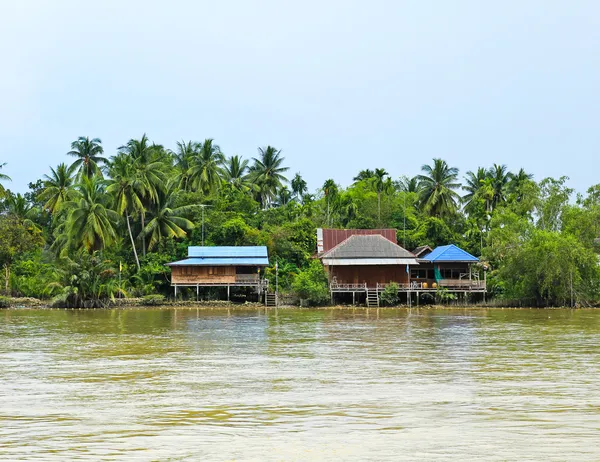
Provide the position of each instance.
(451, 267)
(221, 266)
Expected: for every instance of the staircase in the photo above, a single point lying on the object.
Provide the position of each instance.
(372, 298)
(270, 299)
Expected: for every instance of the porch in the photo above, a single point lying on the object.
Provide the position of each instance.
(458, 285)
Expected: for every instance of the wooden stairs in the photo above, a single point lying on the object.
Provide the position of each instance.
(270, 299)
(372, 298)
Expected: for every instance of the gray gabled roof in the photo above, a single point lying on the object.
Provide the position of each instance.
(367, 247)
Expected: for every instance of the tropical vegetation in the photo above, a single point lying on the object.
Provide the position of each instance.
(104, 226)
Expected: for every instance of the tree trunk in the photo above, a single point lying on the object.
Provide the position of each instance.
(7, 281)
(143, 237)
(379, 207)
(137, 260)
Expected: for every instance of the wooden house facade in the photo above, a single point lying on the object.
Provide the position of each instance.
(368, 261)
(222, 266)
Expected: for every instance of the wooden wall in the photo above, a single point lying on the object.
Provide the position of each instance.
(371, 274)
(203, 274)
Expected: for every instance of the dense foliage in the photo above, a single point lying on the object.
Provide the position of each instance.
(105, 225)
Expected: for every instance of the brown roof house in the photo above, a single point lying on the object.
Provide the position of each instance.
(363, 263)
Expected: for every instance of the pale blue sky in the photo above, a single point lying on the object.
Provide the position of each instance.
(337, 85)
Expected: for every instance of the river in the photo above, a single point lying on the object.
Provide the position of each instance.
(332, 384)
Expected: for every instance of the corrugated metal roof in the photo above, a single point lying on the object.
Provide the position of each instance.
(228, 251)
(367, 246)
(222, 261)
(450, 253)
(327, 239)
(422, 251)
(368, 261)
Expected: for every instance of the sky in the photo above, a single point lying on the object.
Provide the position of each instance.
(338, 86)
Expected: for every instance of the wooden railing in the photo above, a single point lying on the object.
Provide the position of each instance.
(337, 286)
(458, 284)
(247, 278)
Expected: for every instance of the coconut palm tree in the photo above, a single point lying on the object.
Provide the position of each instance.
(168, 221)
(408, 184)
(89, 155)
(148, 169)
(438, 196)
(330, 191)
(58, 187)
(500, 179)
(18, 207)
(284, 195)
(366, 174)
(299, 186)
(90, 223)
(128, 189)
(267, 172)
(184, 155)
(205, 173)
(517, 184)
(235, 171)
(473, 182)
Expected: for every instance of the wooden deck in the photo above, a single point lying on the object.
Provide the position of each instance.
(452, 285)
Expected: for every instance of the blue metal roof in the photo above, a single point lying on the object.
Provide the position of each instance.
(450, 253)
(222, 261)
(228, 251)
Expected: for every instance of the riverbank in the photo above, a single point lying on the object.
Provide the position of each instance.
(161, 303)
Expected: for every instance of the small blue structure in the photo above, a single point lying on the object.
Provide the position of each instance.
(450, 253)
(225, 256)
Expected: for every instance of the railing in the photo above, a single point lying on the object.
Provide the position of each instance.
(459, 284)
(469, 284)
(336, 286)
(247, 278)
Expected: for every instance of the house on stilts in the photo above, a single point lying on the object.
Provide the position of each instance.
(362, 263)
(222, 266)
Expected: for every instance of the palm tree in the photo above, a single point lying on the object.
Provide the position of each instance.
(284, 195)
(438, 195)
(299, 186)
(379, 185)
(206, 167)
(267, 173)
(128, 189)
(148, 169)
(517, 184)
(58, 187)
(408, 184)
(235, 173)
(3, 177)
(17, 206)
(366, 174)
(500, 179)
(168, 221)
(330, 190)
(90, 223)
(184, 156)
(473, 182)
(89, 155)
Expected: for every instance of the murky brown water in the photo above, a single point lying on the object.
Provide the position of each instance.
(300, 385)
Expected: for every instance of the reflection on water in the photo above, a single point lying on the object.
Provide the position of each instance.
(297, 385)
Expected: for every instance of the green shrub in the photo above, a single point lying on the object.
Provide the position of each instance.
(4, 302)
(310, 284)
(389, 296)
